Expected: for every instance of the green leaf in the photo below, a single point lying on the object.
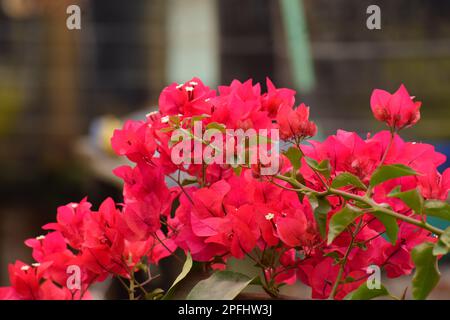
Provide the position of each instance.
(178, 136)
(167, 129)
(262, 139)
(216, 125)
(349, 279)
(335, 255)
(412, 198)
(156, 294)
(175, 119)
(323, 167)
(257, 281)
(364, 293)
(388, 172)
(187, 182)
(222, 285)
(437, 208)
(257, 140)
(321, 207)
(174, 139)
(184, 272)
(340, 220)
(237, 170)
(427, 273)
(299, 177)
(390, 224)
(295, 156)
(442, 246)
(440, 249)
(347, 179)
(200, 117)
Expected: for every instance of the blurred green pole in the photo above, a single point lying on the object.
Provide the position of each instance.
(299, 51)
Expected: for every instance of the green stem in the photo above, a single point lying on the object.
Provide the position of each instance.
(389, 212)
(344, 261)
(131, 291)
(298, 185)
(383, 158)
(374, 206)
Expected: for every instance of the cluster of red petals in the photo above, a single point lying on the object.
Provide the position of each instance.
(295, 123)
(348, 152)
(225, 215)
(99, 243)
(397, 110)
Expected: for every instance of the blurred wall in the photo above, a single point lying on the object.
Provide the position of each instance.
(55, 83)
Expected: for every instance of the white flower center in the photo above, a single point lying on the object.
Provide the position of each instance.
(269, 216)
(165, 119)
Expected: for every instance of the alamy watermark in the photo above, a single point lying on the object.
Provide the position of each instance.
(73, 281)
(373, 22)
(73, 21)
(374, 279)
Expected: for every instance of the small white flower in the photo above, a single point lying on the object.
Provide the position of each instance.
(193, 83)
(269, 216)
(165, 119)
(151, 113)
(74, 205)
(179, 86)
(41, 237)
(188, 88)
(25, 268)
(36, 264)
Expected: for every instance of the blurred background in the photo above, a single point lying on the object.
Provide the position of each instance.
(62, 92)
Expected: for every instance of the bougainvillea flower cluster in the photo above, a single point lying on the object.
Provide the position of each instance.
(333, 208)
